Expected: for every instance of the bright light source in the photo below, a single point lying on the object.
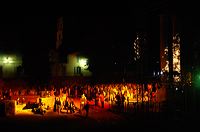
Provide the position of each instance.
(7, 60)
(154, 73)
(83, 63)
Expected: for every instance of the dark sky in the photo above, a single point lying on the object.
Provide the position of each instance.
(103, 36)
(93, 31)
(32, 36)
(110, 23)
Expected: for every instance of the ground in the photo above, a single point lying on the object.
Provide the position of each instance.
(99, 119)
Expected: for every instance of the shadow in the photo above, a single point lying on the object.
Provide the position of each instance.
(80, 116)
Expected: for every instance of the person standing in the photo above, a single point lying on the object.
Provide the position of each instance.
(86, 107)
(58, 106)
(55, 105)
(82, 102)
(102, 100)
(96, 99)
(72, 106)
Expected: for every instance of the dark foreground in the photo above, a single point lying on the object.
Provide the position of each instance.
(100, 121)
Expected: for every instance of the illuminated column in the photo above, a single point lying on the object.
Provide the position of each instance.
(170, 62)
(170, 57)
(176, 58)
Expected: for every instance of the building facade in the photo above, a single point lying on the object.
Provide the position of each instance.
(10, 65)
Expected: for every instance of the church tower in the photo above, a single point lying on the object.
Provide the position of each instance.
(59, 33)
(57, 68)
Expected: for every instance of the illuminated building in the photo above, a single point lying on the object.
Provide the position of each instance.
(10, 65)
(77, 65)
(63, 63)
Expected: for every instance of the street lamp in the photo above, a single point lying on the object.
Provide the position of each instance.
(83, 63)
(7, 60)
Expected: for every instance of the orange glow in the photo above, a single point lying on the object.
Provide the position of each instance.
(149, 86)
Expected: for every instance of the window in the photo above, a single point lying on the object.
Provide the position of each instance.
(77, 70)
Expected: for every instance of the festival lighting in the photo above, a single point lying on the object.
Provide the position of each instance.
(176, 59)
(136, 48)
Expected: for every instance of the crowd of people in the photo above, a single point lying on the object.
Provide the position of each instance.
(117, 93)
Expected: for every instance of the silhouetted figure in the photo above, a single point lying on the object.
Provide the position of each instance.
(122, 102)
(55, 103)
(102, 100)
(66, 104)
(118, 101)
(96, 99)
(72, 106)
(58, 106)
(86, 107)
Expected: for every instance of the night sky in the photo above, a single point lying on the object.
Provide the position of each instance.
(107, 38)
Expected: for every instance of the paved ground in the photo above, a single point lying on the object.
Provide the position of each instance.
(98, 120)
